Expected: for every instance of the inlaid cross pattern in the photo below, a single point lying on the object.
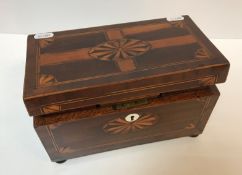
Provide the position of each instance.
(118, 46)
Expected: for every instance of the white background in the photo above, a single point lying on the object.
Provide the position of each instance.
(217, 151)
(217, 18)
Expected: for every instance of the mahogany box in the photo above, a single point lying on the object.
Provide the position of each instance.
(103, 88)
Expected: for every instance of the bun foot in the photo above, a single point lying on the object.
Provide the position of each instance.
(195, 135)
(61, 161)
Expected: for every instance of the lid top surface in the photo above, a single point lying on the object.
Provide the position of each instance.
(78, 59)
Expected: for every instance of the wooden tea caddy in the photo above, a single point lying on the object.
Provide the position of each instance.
(103, 88)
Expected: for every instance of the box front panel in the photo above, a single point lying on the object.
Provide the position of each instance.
(97, 133)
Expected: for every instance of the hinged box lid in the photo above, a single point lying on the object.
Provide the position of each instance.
(79, 68)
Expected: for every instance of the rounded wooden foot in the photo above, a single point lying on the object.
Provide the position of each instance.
(61, 161)
(195, 135)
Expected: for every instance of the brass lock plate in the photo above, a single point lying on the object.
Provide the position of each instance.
(131, 104)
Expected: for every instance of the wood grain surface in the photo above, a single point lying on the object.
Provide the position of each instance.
(94, 130)
(102, 65)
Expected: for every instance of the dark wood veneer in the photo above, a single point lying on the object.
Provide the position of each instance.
(83, 132)
(96, 64)
(103, 88)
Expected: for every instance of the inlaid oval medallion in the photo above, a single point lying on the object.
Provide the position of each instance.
(122, 126)
(119, 49)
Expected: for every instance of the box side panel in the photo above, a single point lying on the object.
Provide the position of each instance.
(208, 108)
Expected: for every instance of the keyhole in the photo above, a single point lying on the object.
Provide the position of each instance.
(132, 117)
